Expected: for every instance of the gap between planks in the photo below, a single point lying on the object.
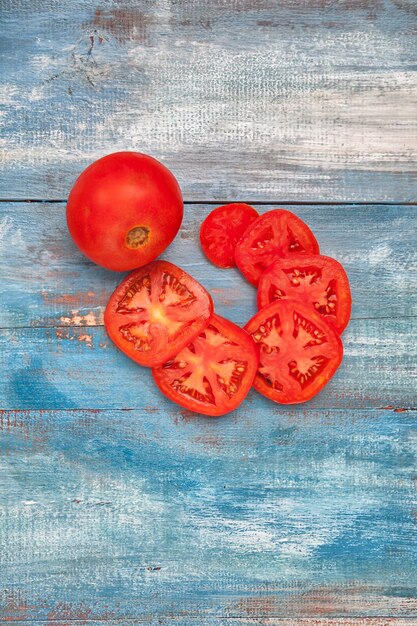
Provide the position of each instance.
(65, 326)
(338, 409)
(234, 201)
(266, 619)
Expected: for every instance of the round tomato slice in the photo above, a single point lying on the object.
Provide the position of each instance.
(273, 235)
(213, 373)
(299, 351)
(222, 229)
(156, 311)
(318, 281)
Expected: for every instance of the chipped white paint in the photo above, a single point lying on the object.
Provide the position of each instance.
(92, 318)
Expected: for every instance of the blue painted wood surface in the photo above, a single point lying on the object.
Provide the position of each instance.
(116, 506)
(243, 99)
(271, 512)
(57, 286)
(274, 513)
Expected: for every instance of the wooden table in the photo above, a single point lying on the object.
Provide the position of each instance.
(116, 506)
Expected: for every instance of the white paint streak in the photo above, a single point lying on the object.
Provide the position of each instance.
(11, 235)
(379, 254)
(8, 94)
(36, 94)
(43, 62)
(6, 223)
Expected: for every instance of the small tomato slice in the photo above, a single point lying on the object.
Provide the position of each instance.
(156, 311)
(318, 281)
(222, 229)
(213, 373)
(299, 351)
(273, 235)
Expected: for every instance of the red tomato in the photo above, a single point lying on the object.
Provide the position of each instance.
(155, 312)
(273, 235)
(222, 229)
(124, 210)
(214, 373)
(299, 351)
(318, 281)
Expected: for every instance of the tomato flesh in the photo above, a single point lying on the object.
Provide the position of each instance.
(273, 235)
(318, 281)
(212, 374)
(124, 210)
(222, 229)
(156, 311)
(299, 351)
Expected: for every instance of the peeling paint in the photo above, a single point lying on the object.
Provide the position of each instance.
(77, 318)
(87, 339)
(255, 606)
(63, 333)
(70, 612)
(124, 23)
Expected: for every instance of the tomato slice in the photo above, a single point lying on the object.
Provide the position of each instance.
(212, 374)
(318, 281)
(273, 235)
(299, 351)
(222, 229)
(156, 311)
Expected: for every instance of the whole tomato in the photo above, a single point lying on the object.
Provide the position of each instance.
(124, 210)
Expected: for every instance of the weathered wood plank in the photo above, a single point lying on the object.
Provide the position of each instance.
(47, 282)
(234, 621)
(264, 100)
(58, 368)
(145, 514)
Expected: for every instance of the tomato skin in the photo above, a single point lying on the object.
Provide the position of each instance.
(315, 274)
(207, 357)
(222, 229)
(299, 351)
(156, 311)
(273, 235)
(124, 210)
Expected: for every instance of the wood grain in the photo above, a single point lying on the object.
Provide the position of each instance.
(81, 368)
(266, 100)
(149, 514)
(46, 281)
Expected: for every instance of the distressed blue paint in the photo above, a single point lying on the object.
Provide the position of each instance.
(242, 100)
(39, 390)
(314, 510)
(57, 285)
(81, 367)
(270, 515)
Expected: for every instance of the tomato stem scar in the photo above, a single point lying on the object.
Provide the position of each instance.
(137, 236)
